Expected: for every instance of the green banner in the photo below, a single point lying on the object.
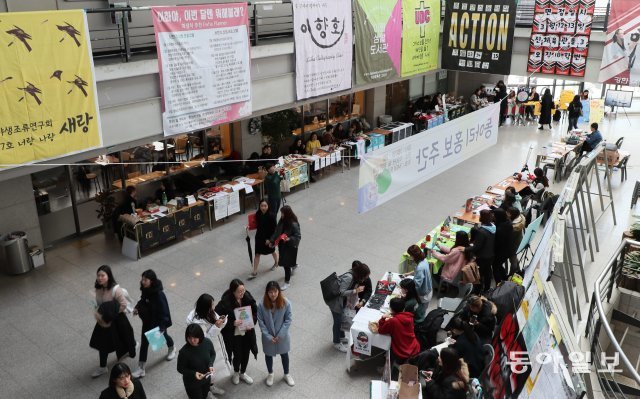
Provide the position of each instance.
(420, 36)
(378, 25)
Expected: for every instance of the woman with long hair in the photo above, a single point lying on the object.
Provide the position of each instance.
(121, 385)
(238, 343)
(451, 378)
(503, 244)
(274, 317)
(454, 259)
(421, 274)
(287, 237)
(266, 226)
(483, 241)
(468, 345)
(153, 310)
(112, 332)
(575, 111)
(547, 106)
(211, 323)
(195, 362)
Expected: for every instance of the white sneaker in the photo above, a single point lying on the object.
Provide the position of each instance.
(341, 347)
(344, 341)
(244, 377)
(171, 354)
(269, 380)
(99, 371)
(215, 390)
(285, 286)
(235, 378)
(139, 373)
(289, 380)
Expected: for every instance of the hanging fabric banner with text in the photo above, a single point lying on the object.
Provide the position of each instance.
(420, 36)
(560, 33)
(378, 32)
(395, 169)
(204, 62)
(621, 57)
(478, 35)
(48, 100)
(324, 46)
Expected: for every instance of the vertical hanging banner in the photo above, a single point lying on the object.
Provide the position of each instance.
(560, 33)
(378, 30)
(478, 35)
(324, 46)
(48, 100)
(395, 169)
(620, 60)
(420, 36)
(205, 70)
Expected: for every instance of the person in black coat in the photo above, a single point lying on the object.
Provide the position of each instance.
(575, 111)
(547, 106)
(501, 94)
(503, 244)
(481, 313)
(450, 380)
(195, 362)
(153, 310)
(121, 386)
(468, 345)
(239, 344)
(364, 296)
(482, 240)
(265, 227)
(288, 246)
(298, 147)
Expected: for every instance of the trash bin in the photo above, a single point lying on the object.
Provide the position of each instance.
(16, 254)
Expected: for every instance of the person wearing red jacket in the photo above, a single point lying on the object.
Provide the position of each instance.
(399, 325)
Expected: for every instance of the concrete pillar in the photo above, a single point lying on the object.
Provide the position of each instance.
(375, 104)
(18, 209)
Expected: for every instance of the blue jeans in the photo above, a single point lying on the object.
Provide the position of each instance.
(337, 323)
(285, 363)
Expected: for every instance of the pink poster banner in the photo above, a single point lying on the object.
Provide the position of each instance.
(204, 64)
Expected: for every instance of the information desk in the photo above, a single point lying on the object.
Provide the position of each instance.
(324, 157)
(161, 227)
(220, 204)
(436, 237)
(296, 173)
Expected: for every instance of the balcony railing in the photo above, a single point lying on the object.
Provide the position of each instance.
(128, 31)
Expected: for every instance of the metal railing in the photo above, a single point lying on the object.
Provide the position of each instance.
(611, 382)
(125, 31)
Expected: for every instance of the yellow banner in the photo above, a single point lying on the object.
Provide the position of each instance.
(597, 111)
(48, 101)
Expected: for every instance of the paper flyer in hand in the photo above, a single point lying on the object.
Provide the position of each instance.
(244, 314)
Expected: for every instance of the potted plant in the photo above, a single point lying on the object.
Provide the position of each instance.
(277, 127)
(106, 209)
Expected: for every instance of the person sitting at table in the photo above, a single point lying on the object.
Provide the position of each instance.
(414, 304)
(537, 186)
(511, 199)
(454, 259)
(129, 205)
(266, 156)
(593, 139)
(399, 325)
(450, 380)
(164, 193)
(533, 97)
(468, 345)
(503, 244)
(475, 101)
(518, 223)
(482, 240)
(327, 137)
(421, 274)
(481, 314)
(436, 101)
(339, 133)
(297, 148)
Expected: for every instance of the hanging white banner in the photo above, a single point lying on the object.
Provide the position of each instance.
(324, 45)
(395, 169)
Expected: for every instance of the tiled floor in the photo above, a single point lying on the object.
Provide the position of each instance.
(46, 317)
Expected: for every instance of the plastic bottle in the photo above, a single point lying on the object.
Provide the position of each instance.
(164, 199)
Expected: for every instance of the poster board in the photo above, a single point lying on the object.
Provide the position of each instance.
(618, 98)
(48, 99)
(620, 65)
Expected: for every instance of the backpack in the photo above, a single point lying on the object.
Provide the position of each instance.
(125, 293)
(431, 325)
(506, 297)
(470, 274)
(330, 287)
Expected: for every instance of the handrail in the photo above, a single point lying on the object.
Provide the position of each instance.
(609, 276)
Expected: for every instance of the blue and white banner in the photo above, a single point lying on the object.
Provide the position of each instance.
(395, 169)
(323, 35)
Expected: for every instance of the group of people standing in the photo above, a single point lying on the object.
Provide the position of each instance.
(231, 322)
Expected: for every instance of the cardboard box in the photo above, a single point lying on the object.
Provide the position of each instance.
(409, 385)
(613, 157)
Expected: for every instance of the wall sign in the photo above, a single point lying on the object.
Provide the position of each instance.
(620, 63)
(420, 36)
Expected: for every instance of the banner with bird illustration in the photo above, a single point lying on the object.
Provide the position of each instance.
(48, 100)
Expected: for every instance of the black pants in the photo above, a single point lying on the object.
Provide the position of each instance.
(499, 271)
(287, 274)
(528, 111)
(397, 361)
(198, 391)
(144, 342)
(573, 123)
(485, 272)
(239, 349)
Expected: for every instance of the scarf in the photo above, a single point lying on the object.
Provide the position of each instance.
(125, 393)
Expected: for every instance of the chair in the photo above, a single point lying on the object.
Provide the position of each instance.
(622, 165)
(92, 177)
(568, 167)
(636, 194)
(181, 146)
(619, 142)
(451, 305)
